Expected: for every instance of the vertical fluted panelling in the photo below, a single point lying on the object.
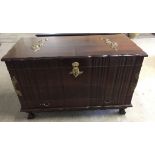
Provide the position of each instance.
(122, 79)
(20, 81)
(30, 77)
(110, 80)
(106, 81)
(134, 77)
(47, 80)
(102, 82)
(125, 84)
(92, 83)
(98, 86)
(31, 82)
(35, 82)
(95, 80)
(113, 84)
(118, 81)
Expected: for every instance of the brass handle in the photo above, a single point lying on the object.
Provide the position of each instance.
(75, 71)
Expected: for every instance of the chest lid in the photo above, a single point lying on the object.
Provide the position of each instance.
(73, 46)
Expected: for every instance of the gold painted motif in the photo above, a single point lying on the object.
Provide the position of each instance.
(37, 46)
(112, 44)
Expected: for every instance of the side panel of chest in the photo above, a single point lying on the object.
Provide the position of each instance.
(106, 81)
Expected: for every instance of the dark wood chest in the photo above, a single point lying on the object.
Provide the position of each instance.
(74, 72)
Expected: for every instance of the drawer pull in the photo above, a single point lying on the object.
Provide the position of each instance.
(75, 70)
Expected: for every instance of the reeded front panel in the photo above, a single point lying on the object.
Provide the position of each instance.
(105, 81)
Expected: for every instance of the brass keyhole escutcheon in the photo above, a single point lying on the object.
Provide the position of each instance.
(75, 70)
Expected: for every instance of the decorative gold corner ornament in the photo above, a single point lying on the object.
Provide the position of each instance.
(36, 46)
(15, 82)
(75, 71)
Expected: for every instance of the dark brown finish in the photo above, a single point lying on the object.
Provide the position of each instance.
(73, 46)
(44, 80)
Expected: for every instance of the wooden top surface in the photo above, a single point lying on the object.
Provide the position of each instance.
(73, 46)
